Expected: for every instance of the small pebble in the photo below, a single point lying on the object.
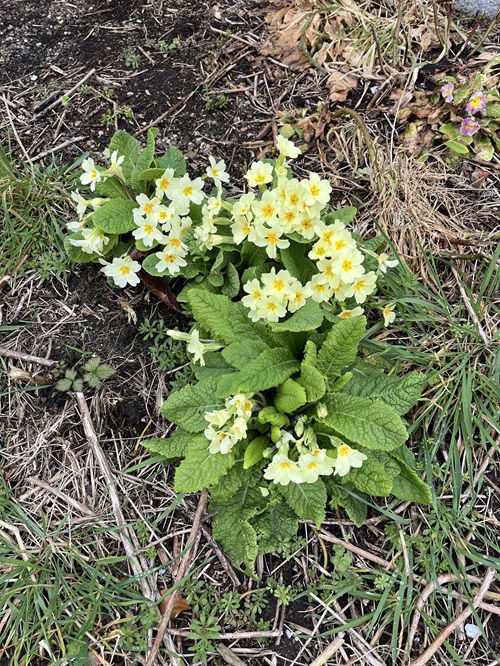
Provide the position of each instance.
(472, 630)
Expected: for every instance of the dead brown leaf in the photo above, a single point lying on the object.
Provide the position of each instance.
(180, 605)
(340, 85)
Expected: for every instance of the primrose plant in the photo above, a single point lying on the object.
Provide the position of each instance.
(463, 114)
(277, 247)
(285, 418)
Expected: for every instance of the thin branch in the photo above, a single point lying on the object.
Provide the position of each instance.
(457, 622)
(106, 471)
(69, 92)
(28, 358)
(470, 309)
(181, 572)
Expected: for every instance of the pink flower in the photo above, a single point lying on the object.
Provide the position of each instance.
(476, 103)
(469, 127)
(447, 92)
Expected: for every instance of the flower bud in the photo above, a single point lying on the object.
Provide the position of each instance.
(275, 434)
(321, 410)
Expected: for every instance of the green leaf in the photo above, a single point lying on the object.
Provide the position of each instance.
(115, 216)
(144, 159)
(457, 147)
(254, 451)
(63, 384)
(151, 174)
(174, 446)
(312, 380)
(290, 395)
(371, 478)
(238, 354)
(173, 159)
(215, 366)
(277, 524)
(92, 364)
(308, 318)
(345, 215)
(400, 393)
(273, 417)
(104, 371)
(308, 500)
(483, 148)
(371, 423)
(310, 353)
(231, 527)
(226, 321)
(409, 487)
(112, 188)
(200, 468)
(355, 508)
(187, 407)
(340, 347)
(342, 381)
(231, 482)
(493, 110)
(270, 368)
(231, 286)
(297, 263)
(127, 146)
(449, 130)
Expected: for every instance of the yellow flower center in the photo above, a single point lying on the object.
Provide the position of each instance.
(347, 265)
(163, 215)
(169, 258)
(327, 236)
(319, 287)
(320, 251)
(187, 191)
(215, 173)
(93, 174)
(272, 307)
(246, 229)
(344, 450)
(125, 270)
(306, 224)
(294, 198)
(298, 297)
(314, 190)
(360, 285)
(345, 315)
(329, 271)
(339, 244)
(312, 465)
(272, 239)
(164, 183)
(148, 228)
(247, 406)
(175, 242)
(279, 285)
(284, 465)
(256, 294)
(260, 178)
(268, 210)
(148, 208)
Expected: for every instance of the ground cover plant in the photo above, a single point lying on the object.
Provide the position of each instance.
(98, 550)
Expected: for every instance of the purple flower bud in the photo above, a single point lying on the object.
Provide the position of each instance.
(447, 92)
(476, 103)
(469, 126)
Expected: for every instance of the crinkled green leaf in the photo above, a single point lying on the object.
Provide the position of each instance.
(238, 354)
(112, 188)
(151, 174)
(342, 381)
(297, 263)
(310, 353)
(200, 468)
(231, 526)
(187, 407)
(308, 500)
(277, 524)
(400, 393)
(355, 508)
(371, 478)
(254, 451)
(115, 216)
(174, 446)
(457, 147)
(231, 285)
(129, 147)
(268, 369)
(290, 395)
(312, 381)
(370, 423)
(273, 417)
(215, 366)
(308, 318)
(493, 110)
(340, 347)
(143, 160)
(231, 482)
(345, 215)
(226, 321)
(409, 487)
(173, 159)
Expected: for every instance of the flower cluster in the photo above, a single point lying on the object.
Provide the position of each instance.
(228, 426)
(300, 460)
(476, 104)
